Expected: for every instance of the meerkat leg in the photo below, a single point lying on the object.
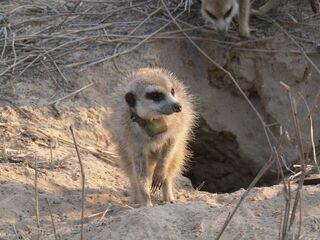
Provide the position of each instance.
(140, 168)
(167, 190)
(271, 4)
(134, 190)
(158, 176)
(152, 162)
(128, 169)
(175, 166)
(160, 169)
(244, 14)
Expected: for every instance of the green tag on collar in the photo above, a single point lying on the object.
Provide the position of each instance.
(152, 128)
(155, 127)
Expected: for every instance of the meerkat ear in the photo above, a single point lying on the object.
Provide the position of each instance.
(130, 99)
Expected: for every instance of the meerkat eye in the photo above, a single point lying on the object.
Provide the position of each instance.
(155, 96)
(227, 14)
(211, 15)
(172, 91)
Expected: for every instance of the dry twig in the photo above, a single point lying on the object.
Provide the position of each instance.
(82, 180)
(71, 94)
(15, 232)
(36, 196)
(301, 154)
(66, 18)
(16, 107)
(287, 194)
(105, 212)
(52, 221)
(311, 133)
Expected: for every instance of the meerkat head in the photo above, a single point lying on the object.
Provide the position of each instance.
(220, 13)
(152, 94)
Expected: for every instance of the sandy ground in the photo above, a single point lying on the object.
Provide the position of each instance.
(108, 212)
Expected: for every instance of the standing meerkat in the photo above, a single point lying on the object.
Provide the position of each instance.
(151, 124)
(221, 12)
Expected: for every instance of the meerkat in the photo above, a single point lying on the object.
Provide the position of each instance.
(221, 12)
(151, 123)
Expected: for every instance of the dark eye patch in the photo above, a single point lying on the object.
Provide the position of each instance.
(172, 91)
(155, 96)
(211, 15)
(227, 14)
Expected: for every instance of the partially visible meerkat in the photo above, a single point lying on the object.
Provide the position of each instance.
(221, 12)
(151, 124)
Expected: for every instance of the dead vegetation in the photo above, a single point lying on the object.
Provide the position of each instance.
(50, 39)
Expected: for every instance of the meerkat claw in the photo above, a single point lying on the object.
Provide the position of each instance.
(156, 185)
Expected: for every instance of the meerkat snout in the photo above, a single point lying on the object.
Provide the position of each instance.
(170, 106)
(176, 107)
(220, 13)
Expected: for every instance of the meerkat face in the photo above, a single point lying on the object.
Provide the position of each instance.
(152, 101)
(220, 13)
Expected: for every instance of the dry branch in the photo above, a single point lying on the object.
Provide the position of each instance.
(52, 221)
(16, 107)
(15, 232)
(313, 145)
(95, 152)
(71, 94)
(301, 154)
(105, 212)
(287, 194)
(82, 181)
(36, 196)
(66, 18)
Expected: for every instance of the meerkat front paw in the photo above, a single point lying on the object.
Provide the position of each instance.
(146, 203)
(156, 184)
(244, 32)
(157, 180)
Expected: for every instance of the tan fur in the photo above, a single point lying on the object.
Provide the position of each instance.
(219, 9)
(143, 158)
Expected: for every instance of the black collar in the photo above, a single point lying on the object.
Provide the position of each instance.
(136, 118)
(152, 128)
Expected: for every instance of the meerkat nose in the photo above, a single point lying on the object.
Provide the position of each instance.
(177, 107)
